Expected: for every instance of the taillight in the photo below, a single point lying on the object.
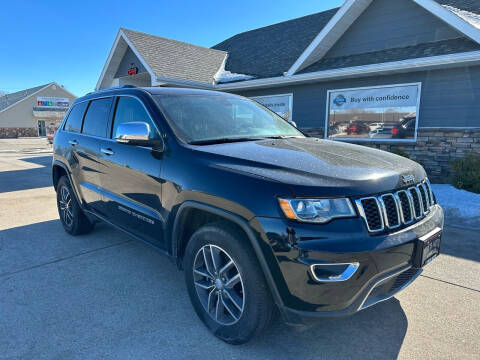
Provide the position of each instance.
(394, 131)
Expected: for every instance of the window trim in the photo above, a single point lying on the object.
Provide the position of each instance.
(65, 119)
(373, 140)
(114, 112)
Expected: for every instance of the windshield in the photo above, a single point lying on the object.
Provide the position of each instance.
(207, 118)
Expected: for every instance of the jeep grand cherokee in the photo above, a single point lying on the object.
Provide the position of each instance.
(261, 218)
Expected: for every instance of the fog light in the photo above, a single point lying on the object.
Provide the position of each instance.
(333, 272)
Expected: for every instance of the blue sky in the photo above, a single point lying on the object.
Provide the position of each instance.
(68, 41)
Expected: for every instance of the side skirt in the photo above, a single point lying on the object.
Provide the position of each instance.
(157, 248)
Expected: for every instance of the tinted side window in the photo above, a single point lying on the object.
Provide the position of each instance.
(131, 110)
(96, 119)
(74, 120)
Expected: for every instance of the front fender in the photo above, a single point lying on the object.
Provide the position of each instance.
(262, 250)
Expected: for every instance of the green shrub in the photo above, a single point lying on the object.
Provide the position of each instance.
(466, 173)
(398, 151)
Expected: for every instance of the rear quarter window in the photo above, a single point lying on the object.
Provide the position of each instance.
(74, 120)
(96, 119)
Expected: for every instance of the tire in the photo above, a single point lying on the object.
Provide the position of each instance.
(247, 308)
(74, 221)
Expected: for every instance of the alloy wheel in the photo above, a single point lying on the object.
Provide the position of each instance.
(218, 284)
(65, 204)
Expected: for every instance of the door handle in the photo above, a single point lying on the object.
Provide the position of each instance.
(107, 151)
(73, 142)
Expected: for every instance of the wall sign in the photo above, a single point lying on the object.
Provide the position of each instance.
(373, 113)
(45, 101)
(280, 104)
(132, 70)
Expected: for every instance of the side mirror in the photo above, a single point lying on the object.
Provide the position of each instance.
(293, 123)
(137, 133)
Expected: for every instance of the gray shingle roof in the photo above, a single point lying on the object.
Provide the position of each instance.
(270, 51)
(443, 47)
(466, 5)
(7, 100)
(175, 59)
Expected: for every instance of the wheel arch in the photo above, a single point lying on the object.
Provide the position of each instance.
(59, 169)
(181, 235)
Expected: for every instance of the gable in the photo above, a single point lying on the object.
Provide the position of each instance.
(388, 24)
(128, 59)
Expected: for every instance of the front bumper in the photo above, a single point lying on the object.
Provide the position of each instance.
(385, 263)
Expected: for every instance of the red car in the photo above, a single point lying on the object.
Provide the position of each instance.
(50, 136)
(357, 128)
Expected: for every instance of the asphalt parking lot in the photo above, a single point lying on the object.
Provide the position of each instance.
(104, 295)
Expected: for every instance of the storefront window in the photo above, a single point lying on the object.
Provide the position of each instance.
(373, 113)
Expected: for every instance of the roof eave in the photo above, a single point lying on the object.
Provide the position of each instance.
(28, 97)
(410, 65)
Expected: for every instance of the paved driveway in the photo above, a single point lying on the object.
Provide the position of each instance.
(104, 295)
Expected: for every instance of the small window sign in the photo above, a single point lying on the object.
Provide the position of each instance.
(281, 104)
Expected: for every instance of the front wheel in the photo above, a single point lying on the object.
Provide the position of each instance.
(226, 285)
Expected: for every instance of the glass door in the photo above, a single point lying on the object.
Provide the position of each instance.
(42, 131)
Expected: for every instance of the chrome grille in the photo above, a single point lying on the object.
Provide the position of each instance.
(417, 206)
(392, 210)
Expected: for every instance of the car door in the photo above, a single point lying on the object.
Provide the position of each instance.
(94, 130)
(130, 176)
(81, 154)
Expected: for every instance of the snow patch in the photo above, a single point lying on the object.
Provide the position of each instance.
(458, 203)
(471, 18)
(224, 76)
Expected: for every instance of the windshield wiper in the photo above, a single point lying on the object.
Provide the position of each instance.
(223, 140)
(282, 137)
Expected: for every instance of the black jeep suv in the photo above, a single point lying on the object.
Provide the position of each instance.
(261, 218)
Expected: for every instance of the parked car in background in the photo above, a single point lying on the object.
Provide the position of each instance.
(375, 126)
(384, 132)
(333, 130)
(261, 218)
(405, 129)
(357, 128)
(50, 136)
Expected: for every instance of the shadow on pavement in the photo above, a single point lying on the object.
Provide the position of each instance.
(25, 179)
(121, 299)
(39, 160)
(460, 242)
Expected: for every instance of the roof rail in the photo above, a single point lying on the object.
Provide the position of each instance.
(113, 88)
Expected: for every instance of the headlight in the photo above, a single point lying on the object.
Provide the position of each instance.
(316, 210)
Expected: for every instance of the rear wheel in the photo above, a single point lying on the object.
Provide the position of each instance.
(226, 285)
(74, 221)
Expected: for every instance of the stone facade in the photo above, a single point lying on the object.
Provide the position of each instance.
(434, 148)
(17, 132)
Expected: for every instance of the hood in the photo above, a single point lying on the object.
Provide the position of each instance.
(316, 167)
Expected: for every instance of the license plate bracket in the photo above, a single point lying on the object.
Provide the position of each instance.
(427, 248)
